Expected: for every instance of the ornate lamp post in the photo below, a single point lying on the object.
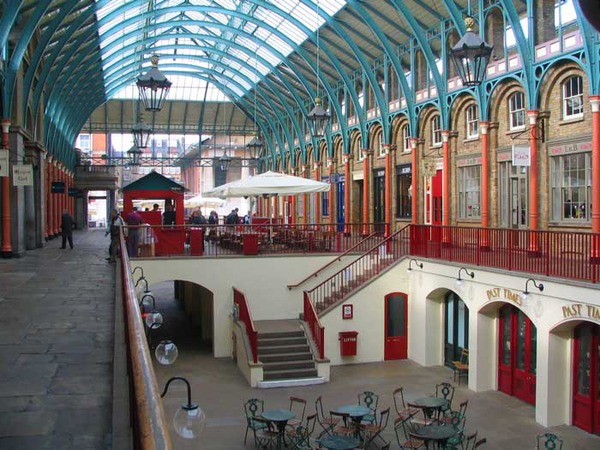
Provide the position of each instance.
(141, 132)
(471, 56)
(318, 119)
(153, 87)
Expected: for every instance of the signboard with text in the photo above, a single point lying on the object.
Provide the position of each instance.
(521, 155)
(22, 175)
(4, 161)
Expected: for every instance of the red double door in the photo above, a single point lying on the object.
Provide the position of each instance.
(586, 377)
(517, 354)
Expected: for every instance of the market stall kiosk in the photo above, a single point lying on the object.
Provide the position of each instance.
(167, 233)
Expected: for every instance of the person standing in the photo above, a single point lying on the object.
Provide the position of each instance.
(115, 225)
(134, 220)
(66, 229)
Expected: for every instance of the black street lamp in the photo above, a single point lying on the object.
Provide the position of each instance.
(471, 56)
(225, 161)
(153, 87)
(134, 153)
(254, 147)
(189, 420)
(318, 119)
(141, 132)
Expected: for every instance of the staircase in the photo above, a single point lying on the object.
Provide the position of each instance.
(284, 351)
(359, 272)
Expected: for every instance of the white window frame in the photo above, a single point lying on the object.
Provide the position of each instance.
(571, 188)
(469, 192)
(436, 131)
(572, 96)
(516, 111)
(406, 139)
(472, 121)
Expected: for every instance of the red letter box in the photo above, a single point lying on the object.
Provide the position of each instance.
(348, 343)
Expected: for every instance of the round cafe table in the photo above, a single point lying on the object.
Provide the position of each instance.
(429, 404)
(339, 442)
(280, 418)
(356, 413)
(435, 434)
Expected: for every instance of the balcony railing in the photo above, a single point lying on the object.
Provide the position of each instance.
(567, 255)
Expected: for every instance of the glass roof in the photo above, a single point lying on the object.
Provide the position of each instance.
(204, 45)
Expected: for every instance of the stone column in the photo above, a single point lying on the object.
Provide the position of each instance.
(485, 185)
(366, 191)
(533, 181)
(389, 176)
(6, 237)
(415, 181)
(347, 186)
(595, 251)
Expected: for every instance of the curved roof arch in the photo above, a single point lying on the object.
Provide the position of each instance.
(268, 57)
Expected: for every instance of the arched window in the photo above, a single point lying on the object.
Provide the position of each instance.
(436, 131)
(516, 111)
(472, 122)
(572, 98)
(405, 138)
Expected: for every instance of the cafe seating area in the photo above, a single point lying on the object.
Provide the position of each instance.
(367, 421)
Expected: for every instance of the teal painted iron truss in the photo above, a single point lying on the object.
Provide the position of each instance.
(270, 58)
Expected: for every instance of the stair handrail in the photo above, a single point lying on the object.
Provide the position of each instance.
(316, 329)
(386, 241)
(243, 312)
(338, 258)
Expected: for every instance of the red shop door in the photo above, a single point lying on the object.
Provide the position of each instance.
(586, 370)
(517, 354)
(396, 326)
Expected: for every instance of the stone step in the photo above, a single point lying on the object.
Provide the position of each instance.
(284, 349)
(283, 357)
(280, 334)
(275, 342)
(289, 373)
(283, 365)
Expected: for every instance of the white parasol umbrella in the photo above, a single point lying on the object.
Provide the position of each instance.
(267, 183)
(200, 201)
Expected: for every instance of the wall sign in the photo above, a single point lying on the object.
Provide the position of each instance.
(504, 294)
(347, 312)
(581, 310)
(22, 175)
(4, 163)
(58, 187)
(521, 155)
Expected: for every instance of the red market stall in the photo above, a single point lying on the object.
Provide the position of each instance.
(168, 233)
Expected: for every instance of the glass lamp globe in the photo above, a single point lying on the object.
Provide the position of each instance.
(189, 421)
(459, 282)
(154, 319)
(166, 352)
(147, 301)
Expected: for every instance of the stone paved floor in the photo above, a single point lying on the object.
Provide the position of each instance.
(56, 347)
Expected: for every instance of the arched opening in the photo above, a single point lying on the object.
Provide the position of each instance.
(456, 330)
(586, 377)
(517, 357)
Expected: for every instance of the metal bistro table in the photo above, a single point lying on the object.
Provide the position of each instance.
(280, 417)
(339, 442)
(429, 404)
(356, 413)
(438, 434)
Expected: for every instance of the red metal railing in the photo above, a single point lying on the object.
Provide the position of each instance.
(316, 329)
(150, 429)
(230, 240)
(550, 253)
(239, 299)
(360, 271)
(355, 248)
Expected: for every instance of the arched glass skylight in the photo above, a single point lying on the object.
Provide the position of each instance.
(222, 48)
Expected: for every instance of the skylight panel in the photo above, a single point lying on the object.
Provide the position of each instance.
(269, 46)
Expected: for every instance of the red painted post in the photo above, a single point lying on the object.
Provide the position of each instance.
(6, 237)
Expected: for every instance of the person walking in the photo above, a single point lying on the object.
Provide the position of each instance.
(66, 229)
(134, 220)
(115, 225)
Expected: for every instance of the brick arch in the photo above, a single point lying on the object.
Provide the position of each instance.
(399, 122)
(555, 76)
(500, 94)
(459, 106)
